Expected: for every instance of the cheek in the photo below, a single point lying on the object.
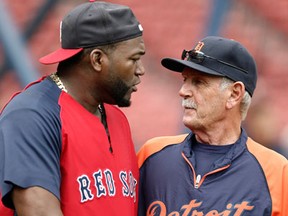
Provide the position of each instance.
(126, 71)
(216, 107)
(209, 106)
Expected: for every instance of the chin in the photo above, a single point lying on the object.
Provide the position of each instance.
(124, 103)
(189, 122)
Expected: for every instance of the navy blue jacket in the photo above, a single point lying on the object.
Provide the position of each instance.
(248, 180)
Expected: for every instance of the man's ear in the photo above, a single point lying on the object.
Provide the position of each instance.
(97, 58)
(236, 94)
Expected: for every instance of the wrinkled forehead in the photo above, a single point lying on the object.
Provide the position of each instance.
(189, 72)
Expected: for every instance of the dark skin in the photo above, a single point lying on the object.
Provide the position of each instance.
(90, 82)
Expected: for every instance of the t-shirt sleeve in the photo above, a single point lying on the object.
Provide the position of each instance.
(30, 151)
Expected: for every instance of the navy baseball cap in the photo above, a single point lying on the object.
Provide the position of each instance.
(94, 24)
(221, 57)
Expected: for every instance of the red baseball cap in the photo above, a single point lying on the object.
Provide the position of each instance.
(59, 55)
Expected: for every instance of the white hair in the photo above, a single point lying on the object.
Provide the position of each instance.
(246, 100)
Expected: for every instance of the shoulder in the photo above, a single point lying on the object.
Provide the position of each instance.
(156, 144)
(275, 169)
(36, 105)
(39, 95)
(265, 155)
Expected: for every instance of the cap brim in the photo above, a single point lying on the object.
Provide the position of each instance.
(179, 65)
(59, 55)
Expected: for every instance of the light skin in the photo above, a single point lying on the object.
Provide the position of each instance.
(216, 120)
(90, 82)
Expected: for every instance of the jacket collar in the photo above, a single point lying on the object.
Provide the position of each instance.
(237, 149)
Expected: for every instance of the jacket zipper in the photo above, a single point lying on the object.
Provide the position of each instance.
(199, 180)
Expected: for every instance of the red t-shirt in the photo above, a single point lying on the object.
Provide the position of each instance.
(55, 143)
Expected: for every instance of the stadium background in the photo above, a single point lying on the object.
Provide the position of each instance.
(30, 29)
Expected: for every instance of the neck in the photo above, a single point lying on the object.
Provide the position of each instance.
(77, 95)
(58, 82)
(218, 136)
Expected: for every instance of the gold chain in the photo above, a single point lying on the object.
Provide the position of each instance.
(58, 82)
(60, 85)
(102, 116)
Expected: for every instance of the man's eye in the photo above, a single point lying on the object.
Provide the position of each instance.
(197, 82)
(135, 59)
